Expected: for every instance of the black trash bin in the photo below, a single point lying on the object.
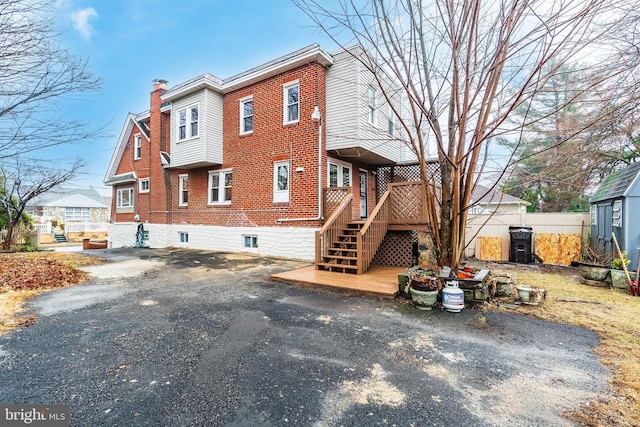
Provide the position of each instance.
(521, 245)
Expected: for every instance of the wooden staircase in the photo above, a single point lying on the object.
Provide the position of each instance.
(342, 253)
(347, 246)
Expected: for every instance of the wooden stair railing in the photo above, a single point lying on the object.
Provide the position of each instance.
(333, 231)
(372, 234)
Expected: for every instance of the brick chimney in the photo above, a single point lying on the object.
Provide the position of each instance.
(159, 84)
(159, 177)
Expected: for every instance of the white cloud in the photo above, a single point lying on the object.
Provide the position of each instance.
(81, 22)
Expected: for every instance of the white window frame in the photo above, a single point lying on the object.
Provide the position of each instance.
(183, 237)
(189, 132)
(137, 146)
(371, 105)
(243, 117)
(285, 102)
(141, 185)
(390, 123)
(281, 196)
(252, 241)
(182, 191)
(340, 177)
(222, 186)
(119, 198)
(77, 214)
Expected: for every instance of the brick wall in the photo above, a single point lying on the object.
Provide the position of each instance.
(251, 157)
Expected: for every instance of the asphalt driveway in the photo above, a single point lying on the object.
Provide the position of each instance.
(196, 338)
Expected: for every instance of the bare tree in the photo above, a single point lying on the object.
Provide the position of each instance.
(22, 182)
(35, 73)
(465, 66)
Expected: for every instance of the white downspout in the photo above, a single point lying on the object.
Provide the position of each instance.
(316, 116)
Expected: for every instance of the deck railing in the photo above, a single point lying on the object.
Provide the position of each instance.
(338, 220)
(333, 197)
(372, 233)
(407, 204)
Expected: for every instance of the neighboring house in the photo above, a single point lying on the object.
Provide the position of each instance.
(244, 163)
(75, 207)
(614, 209)
(486, 201)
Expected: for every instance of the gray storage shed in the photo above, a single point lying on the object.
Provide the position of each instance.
(615, 207)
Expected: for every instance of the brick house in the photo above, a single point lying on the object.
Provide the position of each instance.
(248, 163)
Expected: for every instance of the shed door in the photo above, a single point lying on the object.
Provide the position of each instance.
(604, 227)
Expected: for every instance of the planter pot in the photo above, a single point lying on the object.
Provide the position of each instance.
(595, 272)
(504, 286)
(529, 295)
(619, 279)
(423, 300)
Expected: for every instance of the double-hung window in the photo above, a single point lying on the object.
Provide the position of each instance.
(183, 189)
(137, 146)
(246, 115)
(291, 102)
(124, 198)
(188, 123)
(281, 182)
(371, 104)
(220, 183)
(143, 185)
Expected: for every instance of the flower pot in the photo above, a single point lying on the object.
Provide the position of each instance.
(619, 279)
(593, 271)
(423, 300)
(529, 295)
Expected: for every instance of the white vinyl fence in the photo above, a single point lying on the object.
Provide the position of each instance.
(552, 223)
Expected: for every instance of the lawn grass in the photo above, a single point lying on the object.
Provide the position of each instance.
(615, 317)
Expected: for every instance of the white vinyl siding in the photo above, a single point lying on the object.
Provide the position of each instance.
(347, 112)
(205, 148)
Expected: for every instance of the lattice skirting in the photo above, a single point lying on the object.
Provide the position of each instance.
(396, 249)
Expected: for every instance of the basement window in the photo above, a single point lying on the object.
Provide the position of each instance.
(184, 237)
(250, 242)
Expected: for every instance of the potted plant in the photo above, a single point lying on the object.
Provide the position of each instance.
(618, 276)
(529, 295)
(424, 287)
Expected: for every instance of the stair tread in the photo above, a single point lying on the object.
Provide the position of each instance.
(340, 257)
(329, 264)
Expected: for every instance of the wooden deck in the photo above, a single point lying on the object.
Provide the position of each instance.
(379, 281)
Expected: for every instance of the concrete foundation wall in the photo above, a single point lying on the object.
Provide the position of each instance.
(285, 242)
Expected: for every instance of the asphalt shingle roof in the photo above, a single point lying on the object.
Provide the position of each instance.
(615, 185)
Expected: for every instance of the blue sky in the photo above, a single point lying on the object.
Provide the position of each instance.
(128, 43)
